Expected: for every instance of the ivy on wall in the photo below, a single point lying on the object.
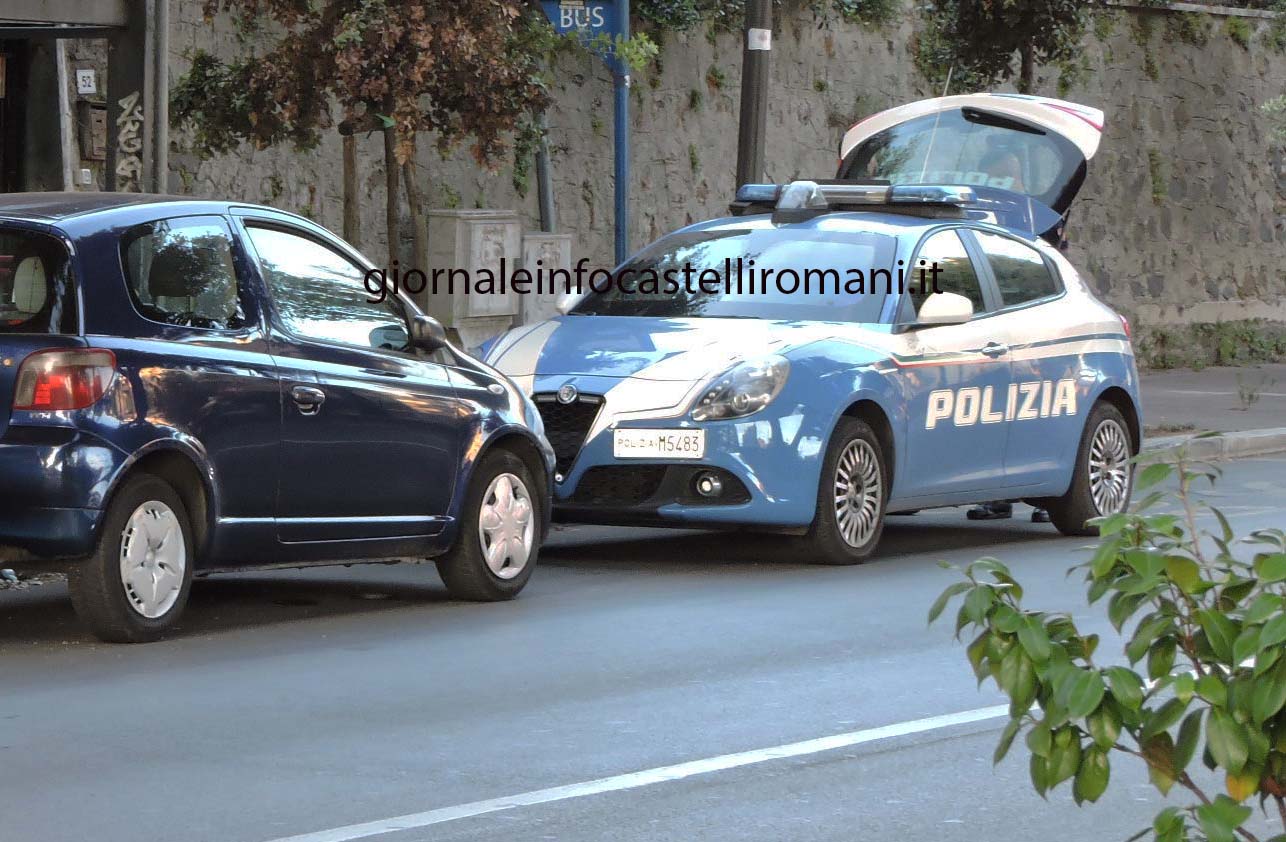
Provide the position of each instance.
(682, 15)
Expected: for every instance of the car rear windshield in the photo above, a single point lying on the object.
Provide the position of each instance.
(36, 290)
(966, 146)
(766, 273)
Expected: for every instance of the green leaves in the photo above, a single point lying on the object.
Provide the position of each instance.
(1271, 567)
(1227, 741)
(1209, 630)
(1221, 818)
(1093, 775)
(1220, 631)
(1127, 687)
(1080, 692)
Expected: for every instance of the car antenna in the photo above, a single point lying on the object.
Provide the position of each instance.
(933, 133)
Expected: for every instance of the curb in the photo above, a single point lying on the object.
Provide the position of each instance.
(1239, 445)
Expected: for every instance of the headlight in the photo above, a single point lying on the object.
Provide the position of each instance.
(747, 388)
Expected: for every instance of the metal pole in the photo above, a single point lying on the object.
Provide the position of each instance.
(66, 127)
(544, 176)
(754, 91)
(161, 98)
(621, 129)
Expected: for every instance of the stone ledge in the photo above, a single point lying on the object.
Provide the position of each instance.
(1223, 11)
(1240, 445)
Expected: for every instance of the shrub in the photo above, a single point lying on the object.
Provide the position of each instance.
(1206, 676)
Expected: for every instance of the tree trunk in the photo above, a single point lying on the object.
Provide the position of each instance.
(1027, 77)
(350, 189)
(391, 190)
(419, 222)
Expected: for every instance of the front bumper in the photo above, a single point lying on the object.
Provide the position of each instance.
(769, 464)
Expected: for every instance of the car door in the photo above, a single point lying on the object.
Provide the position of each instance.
(371, 434)
(1046, 364)
(955, 379)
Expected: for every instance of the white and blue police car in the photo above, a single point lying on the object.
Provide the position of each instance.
(768, 371)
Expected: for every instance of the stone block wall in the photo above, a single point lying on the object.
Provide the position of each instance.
(1182, 219)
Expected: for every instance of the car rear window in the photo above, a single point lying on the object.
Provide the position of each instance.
(36, 290)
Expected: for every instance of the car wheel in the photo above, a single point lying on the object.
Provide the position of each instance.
(850, 499)
(495, 551)
(133, 589)
(1104, 474)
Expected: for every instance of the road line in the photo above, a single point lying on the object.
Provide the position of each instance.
(647, 777)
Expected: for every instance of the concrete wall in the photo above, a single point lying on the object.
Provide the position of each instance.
(1183, 217)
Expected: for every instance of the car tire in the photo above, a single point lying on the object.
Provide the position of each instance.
(1103, 477)
(133, 589)
(847, 531)
(484, 565)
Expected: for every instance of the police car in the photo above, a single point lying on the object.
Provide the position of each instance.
(728, 399)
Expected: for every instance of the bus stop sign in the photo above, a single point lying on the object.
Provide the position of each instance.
(587, 20)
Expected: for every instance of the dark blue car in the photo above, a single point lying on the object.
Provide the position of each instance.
(190, 386)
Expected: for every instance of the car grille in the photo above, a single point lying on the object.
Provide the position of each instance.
(616, 485)
(567, 425)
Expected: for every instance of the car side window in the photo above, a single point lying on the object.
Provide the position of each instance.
(955, 271)
(320, 294)
(1021, 273)
(180, 272)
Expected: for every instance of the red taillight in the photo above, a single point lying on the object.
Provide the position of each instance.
(62, 379)
(1125, 323)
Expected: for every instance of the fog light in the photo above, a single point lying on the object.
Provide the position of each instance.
(708, 484)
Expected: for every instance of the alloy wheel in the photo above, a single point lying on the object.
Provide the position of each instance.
(1109, 468)
(859, 492)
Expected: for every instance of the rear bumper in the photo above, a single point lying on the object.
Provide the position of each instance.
(35, 534)
(53, 483)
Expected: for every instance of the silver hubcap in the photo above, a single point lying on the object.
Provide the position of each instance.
(154, 559)
(859, 490)
(1109, 468)
(506, 526)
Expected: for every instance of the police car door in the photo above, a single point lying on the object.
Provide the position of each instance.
(956, 380)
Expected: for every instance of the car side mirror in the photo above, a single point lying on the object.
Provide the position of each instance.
(566, 301)
(944, 308)
(427, 333)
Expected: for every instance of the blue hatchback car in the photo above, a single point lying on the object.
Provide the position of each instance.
(190, 386)
(770, 371)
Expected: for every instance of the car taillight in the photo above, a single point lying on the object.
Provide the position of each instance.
(1125, 323)
(61, 379)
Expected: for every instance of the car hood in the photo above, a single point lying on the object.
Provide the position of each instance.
(647, 348)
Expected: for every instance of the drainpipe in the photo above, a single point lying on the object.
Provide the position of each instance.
(161, 97)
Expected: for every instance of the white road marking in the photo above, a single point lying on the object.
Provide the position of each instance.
(647, 777)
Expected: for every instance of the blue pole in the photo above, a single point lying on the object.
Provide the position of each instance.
(621, 130)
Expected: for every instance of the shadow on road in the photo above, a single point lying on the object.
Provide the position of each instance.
(231, 602)
(605, 548)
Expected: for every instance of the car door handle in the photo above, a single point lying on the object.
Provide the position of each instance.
(995, 349)
(308, 398)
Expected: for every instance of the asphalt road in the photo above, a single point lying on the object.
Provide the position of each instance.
(295, 703)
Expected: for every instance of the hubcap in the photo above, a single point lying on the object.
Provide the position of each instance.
(506, 527)
(153, 559)
(859, 490)
(1109, 468)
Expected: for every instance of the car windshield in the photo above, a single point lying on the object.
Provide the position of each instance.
(765, 273)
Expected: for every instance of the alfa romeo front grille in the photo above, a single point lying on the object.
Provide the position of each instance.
(567, 425)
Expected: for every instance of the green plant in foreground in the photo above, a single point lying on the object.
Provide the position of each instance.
(1206, 676)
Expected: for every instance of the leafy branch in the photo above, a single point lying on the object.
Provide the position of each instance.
(1205, 670)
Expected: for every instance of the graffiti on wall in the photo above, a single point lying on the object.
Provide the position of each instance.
(129, 144)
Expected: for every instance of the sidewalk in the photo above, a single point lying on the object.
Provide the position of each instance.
(1248, 404)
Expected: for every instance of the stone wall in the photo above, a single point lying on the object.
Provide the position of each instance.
(1183, 217)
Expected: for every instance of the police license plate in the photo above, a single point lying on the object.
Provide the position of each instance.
(659, 444)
